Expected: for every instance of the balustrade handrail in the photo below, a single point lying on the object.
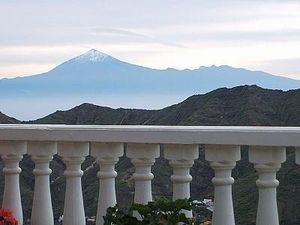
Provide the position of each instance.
(223, 135)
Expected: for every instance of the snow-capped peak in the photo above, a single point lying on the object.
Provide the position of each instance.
(92, 55)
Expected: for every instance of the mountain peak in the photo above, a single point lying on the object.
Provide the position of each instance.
(92, 56)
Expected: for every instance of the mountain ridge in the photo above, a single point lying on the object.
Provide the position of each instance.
(4, 119)
(100, 79)
(196, 109)
(94, 55)
(218, 107)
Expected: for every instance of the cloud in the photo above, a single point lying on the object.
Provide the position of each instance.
(131, 34)
(154, 33)
(282, 66)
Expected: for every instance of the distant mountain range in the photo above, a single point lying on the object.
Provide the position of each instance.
(243, 105)
(101, 79)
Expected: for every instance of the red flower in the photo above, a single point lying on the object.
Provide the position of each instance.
(7, 218)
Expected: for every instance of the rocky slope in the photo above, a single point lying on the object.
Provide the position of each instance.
(4, 119)
(243, 105)
(92, 114)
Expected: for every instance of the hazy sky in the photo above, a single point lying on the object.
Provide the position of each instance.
(36, 35)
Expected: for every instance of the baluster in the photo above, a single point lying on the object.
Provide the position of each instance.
(107, 155)
(298, 155)
(42, 153)
(143, 157)
(181, 160)
(12, 153)
(73, 154)
(267, 161)
(222, 159)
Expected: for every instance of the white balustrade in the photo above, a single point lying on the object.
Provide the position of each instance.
(267, 161)
(12, 153)
(298, 155)
(143, 147)
(222, 159)
(181, 159)
(73, 154)
(107, 155)
(42, 153)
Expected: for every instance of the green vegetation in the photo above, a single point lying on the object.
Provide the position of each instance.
(159, 212)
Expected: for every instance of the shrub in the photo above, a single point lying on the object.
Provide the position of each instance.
(159, 212)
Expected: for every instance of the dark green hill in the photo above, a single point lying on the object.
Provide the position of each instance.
(240, 106)
(92, 114)
(7, 120)
(243, 105)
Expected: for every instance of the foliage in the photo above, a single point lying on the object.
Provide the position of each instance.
(159, 212)
(7, 218)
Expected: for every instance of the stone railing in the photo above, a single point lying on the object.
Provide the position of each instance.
(106, 144)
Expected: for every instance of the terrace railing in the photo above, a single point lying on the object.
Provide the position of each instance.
(106, 144)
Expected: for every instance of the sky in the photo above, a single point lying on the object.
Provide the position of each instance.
(37, 35)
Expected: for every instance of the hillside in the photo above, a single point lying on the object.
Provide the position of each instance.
(4, 119)
(92, 114)
(240, 106)
(243, 105)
